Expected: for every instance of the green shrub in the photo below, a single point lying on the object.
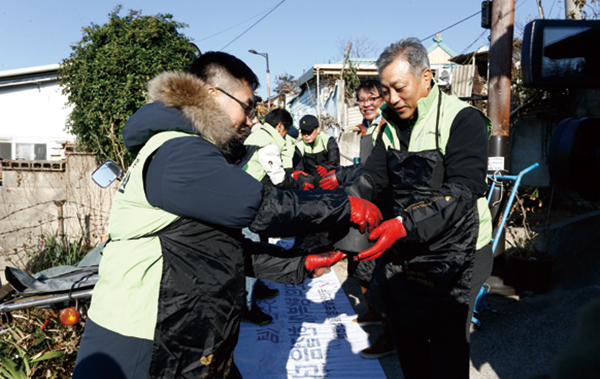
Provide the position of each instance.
(52, 252)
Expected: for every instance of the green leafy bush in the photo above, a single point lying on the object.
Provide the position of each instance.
(47, 251)
(106, 74)
(52, 252)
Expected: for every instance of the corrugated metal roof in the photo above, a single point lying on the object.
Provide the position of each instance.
(462, 80)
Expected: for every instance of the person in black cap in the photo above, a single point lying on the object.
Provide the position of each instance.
(315, 148)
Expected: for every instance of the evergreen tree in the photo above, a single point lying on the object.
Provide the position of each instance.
(105, 76)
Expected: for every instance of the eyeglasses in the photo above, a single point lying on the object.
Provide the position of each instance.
(369, 100)
(248, 110)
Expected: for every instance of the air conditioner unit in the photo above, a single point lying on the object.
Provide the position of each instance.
(443, 76)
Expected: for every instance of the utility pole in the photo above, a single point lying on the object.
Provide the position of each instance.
(500, 64)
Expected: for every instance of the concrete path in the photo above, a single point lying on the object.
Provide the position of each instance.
(524, 338)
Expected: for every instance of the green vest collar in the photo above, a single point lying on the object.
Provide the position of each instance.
(316, 141)
(271, 131)
(371, 128)
(425, 104)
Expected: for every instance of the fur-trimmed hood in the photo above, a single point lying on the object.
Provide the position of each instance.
(178, 101)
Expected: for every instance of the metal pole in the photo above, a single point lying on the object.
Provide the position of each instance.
(44, 301)
(266, 56)
(318, 91)
(268, 82)
(503, 17)
(541, 9)
(61, 220)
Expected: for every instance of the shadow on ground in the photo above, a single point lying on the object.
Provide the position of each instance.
(529, 331)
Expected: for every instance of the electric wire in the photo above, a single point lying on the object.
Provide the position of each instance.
(231, 27)
(451, 26)
(523, 3)
(472, 43)
(463, 20)
(253, 25)
(552, 8)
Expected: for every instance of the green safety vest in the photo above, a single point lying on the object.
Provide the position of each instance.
(319, 146)
(125, 299)
(372, 130)
(266, 135)
(423, 138)
(287, 154)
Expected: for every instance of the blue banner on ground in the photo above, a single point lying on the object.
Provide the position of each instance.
(312, 336)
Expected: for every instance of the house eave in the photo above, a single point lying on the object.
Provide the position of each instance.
(335, 69)
(29, 75)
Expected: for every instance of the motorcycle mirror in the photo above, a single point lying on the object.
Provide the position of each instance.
(107, 173)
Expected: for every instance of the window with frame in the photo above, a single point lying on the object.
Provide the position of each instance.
(5, 150)
(31, 151)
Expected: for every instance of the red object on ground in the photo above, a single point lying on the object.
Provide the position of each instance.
(69, 316)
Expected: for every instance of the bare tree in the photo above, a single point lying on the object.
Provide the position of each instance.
(286, 84)
(582, 9)
(361, 48)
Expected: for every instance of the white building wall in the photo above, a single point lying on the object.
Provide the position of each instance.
(34, 113)
(347, 138)
(303, 105)
(308, 104)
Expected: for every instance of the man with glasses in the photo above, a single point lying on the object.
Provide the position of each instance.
(368, 95)
(171, 290)
(249, 110)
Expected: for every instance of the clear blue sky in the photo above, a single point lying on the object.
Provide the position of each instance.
(296, 34)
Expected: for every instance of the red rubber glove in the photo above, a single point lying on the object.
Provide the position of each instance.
(329, 182)
(364, 213)
(388, 232)
(315, 261)
(322, 170)
(297, 173)
(308, 186)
